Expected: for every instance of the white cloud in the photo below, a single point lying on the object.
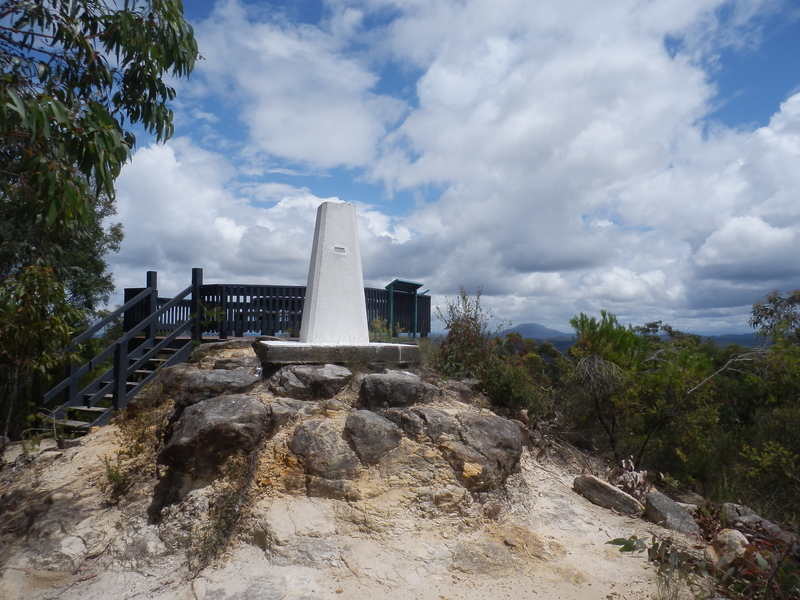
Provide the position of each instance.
(298, 95)
(749, 248)
(557, 152)
(178, 213)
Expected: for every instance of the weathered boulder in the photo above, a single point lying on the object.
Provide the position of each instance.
(485, 452)
(664, 511)
(728, 545)
(498, 439)
(407, 420)
(213, 429)
(310, 382)
(231, 363)
(606, 495)
(335, 489)
(464, 390)
(395, 388)
(282, 411)
(372, 436)
(746, 518)
(438, 425)
(472, 469)
(323, 451)
(188, 385)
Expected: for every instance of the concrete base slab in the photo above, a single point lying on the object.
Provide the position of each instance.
(273, 354)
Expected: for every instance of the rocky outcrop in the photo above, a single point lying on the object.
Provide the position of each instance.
(371, 435)
(212, 430)
(438, 425)
(187, 384)
(323, 451)
(604, 494)
(395, 388)
(426, 495)
(664, 511)
(746, 518)
(310, 382)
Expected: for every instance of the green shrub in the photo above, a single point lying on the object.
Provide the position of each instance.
(508, 384)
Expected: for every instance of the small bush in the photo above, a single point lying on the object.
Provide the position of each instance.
(117, 482)
(508, 384)
(473, 349)
(469, 350)
(225, 511)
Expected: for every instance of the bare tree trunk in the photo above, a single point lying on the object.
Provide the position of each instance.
(13, 390)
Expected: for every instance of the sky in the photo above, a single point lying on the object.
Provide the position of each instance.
(564, 156)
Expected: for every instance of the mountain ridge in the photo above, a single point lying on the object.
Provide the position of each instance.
(562, 340)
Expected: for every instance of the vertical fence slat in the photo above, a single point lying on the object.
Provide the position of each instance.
(223, 309)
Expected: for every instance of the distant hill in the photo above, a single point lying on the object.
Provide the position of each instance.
(743, 339)
(536, 332)
(563, 341)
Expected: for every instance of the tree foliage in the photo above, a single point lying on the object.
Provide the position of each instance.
(32, 302)
(77, 75)
(778, 316)
(722, 420)
(76, 252)
(472, 349)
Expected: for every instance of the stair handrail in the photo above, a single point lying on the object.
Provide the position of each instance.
(109, 351)
(103, 355)
(89, 333)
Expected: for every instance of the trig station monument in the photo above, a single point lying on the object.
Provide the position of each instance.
(334, 322)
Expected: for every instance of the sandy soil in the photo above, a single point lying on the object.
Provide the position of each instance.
(546, 542)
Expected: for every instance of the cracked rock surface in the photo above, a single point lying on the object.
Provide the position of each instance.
(427, 496)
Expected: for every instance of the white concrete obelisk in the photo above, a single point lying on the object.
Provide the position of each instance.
(335, 310)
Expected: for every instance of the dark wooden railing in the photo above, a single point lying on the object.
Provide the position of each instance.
(134, 357)
(236, 309)
(161, 332)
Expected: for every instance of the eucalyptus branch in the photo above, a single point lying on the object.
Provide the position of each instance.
(747, 356)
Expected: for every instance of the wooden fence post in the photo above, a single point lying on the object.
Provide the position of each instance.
(152, 302)
(120, 373)
(72, 389)
(197, 305)
(223, 300)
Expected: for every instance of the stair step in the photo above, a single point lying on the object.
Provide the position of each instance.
(87, 409)
(72, 424)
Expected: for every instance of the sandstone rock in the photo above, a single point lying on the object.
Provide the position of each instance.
(464, 390)
(664, 511)
(484, 557)
(396, 388)
(439, 426)
(323, 451)
(733, 511)
(231, 363)
(487, 452)
(472, 469)
(604, 494)
(282, 412)
(728, 545)
(335, 489)
(208, 432)
(310, 382)
(407, 420)
(187, 385)
(747, 518)
(498, 439)
(372, 436)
